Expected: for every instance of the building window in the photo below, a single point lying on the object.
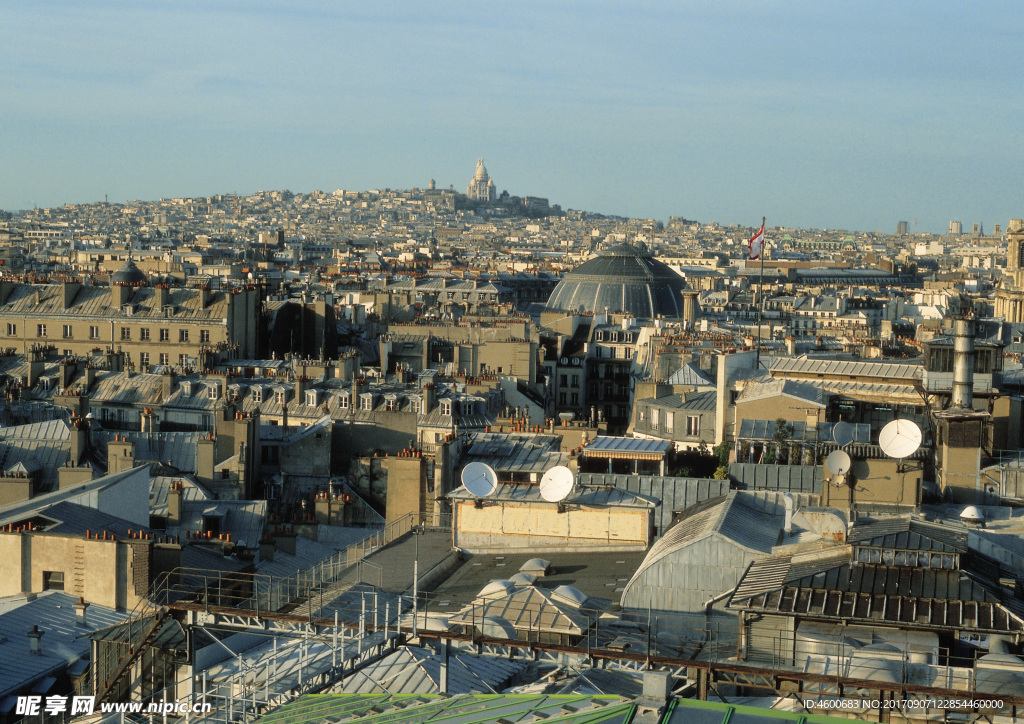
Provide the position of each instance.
(257, 394)
(40, 330)
(183, 335)
(655, 418)
(67, 331)
(126, 333)
(279, 397)
(693, 425)
(144, 359)
(366, 402)
(563, 381)
(575, 399)
(343, 402)
(182, 360)
(204, 336)
(53, 580)
(165, 335)
(311, 398)
(94, 332)
(164, 358)
(144, 334)
(575, 380)
(12, 329)
(670, 421)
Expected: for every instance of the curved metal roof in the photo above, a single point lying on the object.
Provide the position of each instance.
(623, 279)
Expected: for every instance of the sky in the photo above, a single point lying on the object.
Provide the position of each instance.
(850, 115)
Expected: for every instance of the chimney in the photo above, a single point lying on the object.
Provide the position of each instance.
(267, 548)
(169, 381)
(789, 513)
(119, 296)
(33, 641)
(79, 439)
(429, 397)
(80, 609)
(174, 499)
(67, 373)
(36, 366)
(69, 290)
(161, 297)
(964, 329)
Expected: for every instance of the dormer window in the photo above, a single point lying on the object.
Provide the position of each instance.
(186, 388)
(311, 398)
(343, 401)
(257, 394)
(366, 401)
(446, 407)
(213, 392)
(279, 397)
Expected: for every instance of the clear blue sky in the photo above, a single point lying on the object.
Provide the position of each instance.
(817, 114)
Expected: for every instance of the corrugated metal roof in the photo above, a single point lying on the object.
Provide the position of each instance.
(626, 447)
(414, 670)
(459, 709)
(62, 644)
(580, 496)
(529, 608)
(881, 370)
(899, 594)
(909, 534)
(735, 518)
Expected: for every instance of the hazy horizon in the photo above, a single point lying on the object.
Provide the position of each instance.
(816, 115)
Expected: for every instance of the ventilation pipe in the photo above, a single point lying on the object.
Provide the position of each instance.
(964, 329)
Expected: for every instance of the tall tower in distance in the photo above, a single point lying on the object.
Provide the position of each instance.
(481, 188)
(902, 228)
(956, 227)
(1010, 294)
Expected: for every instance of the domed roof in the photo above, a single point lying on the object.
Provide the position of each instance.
(129, 275)
(625, 279)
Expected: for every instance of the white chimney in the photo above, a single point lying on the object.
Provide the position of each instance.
(33, 640)
(80, 608)
(789, 513)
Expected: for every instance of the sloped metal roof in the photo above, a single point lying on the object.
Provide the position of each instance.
(62, 644)
(414, 670)
(626, 447)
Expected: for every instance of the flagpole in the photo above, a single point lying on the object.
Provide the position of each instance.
(760, 294)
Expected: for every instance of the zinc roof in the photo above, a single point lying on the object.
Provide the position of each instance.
(626, 447)
(62, 644)
(414, 670)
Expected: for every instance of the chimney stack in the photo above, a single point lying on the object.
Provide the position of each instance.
(33, 641)
(964, 329)
(80, 608)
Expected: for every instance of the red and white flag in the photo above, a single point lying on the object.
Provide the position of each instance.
(756, 243)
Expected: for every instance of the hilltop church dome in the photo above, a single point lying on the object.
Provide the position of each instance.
(624, 279)
(129, 275)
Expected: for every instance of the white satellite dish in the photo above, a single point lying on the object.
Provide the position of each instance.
(900, 438)
(838, 462)
(480, 479)
(556, 484)
(842, 433)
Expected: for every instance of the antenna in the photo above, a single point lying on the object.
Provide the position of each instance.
(556, 484)
(480, 479)
(842, 433)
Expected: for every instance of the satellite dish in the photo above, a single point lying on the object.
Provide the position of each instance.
(556, 484)
(842, 433)
(838, 462)
(900, 438)
(480, 479)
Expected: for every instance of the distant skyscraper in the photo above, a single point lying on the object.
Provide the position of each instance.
(481, 187)
(956, 227)
(902, 228)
